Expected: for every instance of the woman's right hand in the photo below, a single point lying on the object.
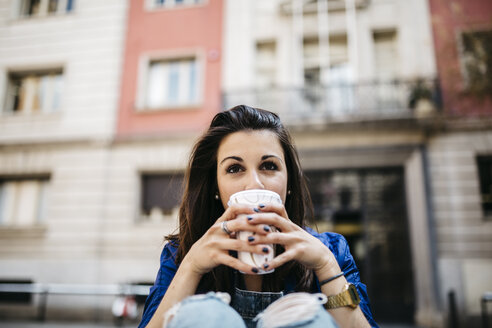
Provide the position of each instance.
(212, 249)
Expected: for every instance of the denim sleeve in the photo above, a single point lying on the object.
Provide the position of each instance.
(164, 277)
(340, 249)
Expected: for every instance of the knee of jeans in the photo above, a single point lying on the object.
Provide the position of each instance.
(296, 310)
(201, 310)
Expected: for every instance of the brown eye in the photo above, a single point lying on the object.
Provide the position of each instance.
(269, 166)
(234, 168)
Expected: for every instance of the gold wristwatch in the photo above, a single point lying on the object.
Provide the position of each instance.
(348, 297)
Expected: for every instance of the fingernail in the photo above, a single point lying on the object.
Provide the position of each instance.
(266, 228)
(261, 205)
(257, 210)
(255, 270)
(265, 266)
(251, 238)
(265, 249)
(249, 217)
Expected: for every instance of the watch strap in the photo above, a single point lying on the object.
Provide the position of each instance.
(348, 297)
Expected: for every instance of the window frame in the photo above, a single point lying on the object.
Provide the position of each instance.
(42, 197)
(480, 159)
(467, 85)
(150, 5)
(145, 62)
(21, 74)
(267, 67)
(44, 8)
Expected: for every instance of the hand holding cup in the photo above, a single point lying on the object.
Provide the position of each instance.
(255, 197)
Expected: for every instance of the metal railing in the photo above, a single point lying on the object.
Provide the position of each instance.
(72, 289)
(344, 102)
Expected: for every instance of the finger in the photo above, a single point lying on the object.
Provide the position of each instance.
(280, 238)
(234, 263)
(234, 210)
(273, 219)
(281, 259)
(274, 207)
(242, 223)
(244, 246)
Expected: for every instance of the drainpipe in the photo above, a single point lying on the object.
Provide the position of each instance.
(431, 225)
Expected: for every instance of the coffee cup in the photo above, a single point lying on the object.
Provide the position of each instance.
(255, 197)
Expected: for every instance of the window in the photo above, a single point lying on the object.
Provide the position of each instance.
(484, 164)
(385, 55)
(338, 57)
(172, 3)
(34, 92)
(172, 83)
(476, 57)
(45, 7)
(15, 297)
(337, 93)
(161, 195)
(265, 64)
(23, 201)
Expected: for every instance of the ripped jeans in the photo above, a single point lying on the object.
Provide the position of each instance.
(213, 310)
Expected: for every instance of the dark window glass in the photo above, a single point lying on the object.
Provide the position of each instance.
(485, 176)
(15, 297)
(161, 191)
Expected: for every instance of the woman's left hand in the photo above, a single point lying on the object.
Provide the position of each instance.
(298, 243)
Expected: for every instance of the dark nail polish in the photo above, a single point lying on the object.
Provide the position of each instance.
(261, 205)
(255, 270)
(249, 217)
(257, 210)
(265, 249)
(265, 266)
(251, 238)
(266, 228)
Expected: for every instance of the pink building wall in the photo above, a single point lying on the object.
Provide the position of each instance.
(196, 28)
(449, 19)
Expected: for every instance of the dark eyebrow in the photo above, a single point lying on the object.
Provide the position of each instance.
(269, 156)
(239, 159)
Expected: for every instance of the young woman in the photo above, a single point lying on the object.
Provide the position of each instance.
(247, 148)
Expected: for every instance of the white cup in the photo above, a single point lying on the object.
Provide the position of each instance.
(254, 197)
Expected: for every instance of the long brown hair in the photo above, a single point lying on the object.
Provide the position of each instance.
(199, 210)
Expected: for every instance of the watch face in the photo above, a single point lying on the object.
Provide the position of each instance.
(354, 295)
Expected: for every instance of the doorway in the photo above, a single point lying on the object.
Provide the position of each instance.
(368, 207)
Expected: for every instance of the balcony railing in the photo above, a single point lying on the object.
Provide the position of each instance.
(344, 102)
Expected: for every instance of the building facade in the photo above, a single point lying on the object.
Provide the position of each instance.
(60, 70)
(460, 155)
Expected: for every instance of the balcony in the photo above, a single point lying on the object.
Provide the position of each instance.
(340, 103)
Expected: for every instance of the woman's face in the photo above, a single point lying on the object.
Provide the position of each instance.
(251, 160)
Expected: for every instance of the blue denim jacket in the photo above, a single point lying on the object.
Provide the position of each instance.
(335, 242)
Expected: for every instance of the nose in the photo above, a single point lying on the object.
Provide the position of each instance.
(254, 181)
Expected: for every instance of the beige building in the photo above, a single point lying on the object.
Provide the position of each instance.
(60, 69)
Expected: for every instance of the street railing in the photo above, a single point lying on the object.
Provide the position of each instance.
(71, 289)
